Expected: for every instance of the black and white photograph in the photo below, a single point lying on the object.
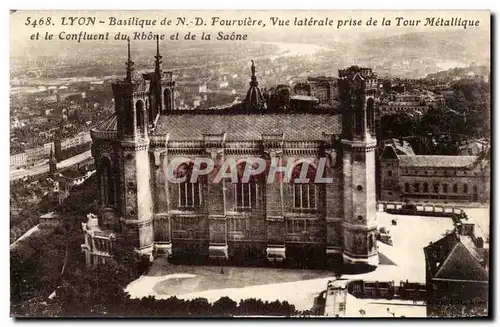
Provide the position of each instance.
(250, 163)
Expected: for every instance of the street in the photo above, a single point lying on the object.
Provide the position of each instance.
(41, 169)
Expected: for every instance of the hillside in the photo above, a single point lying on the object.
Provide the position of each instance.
(419, 54)
(460, 73)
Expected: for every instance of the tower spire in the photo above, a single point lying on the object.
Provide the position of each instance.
(158, 58)
(129, 63)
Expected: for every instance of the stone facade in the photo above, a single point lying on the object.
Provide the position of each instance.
(357, 89)
(434, 179)
(98, 244)
(223, 220)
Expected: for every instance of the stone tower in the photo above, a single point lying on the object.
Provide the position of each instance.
(132, 173)
(162, 89)
(357, 91)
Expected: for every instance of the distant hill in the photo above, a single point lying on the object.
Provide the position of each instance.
(459, 45)
(418, 54)
(460, 72)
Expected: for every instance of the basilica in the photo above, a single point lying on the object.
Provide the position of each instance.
(279, 221)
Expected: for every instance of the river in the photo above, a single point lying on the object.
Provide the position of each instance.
(284, 50)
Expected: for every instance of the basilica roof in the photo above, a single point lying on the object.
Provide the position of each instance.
(241, 127)
(108, 124)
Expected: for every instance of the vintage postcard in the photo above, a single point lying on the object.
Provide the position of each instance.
(250, 163)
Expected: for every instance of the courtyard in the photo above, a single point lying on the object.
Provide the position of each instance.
(403, 261)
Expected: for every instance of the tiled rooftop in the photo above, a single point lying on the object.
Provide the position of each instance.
(108, 124)
(241, 127)
(436, 161)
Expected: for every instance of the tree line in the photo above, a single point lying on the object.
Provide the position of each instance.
(49, 277)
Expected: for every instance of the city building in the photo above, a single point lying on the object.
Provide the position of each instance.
(217, 85)
(41, 154)
(456, 276)
(98, 244)
(336, 298)
(303, 102)
(401, 146)
(324, 88)
(334, 221)
(473, 147)
(423, 178)
(79, 139)
(49, 220)
(192, 87)
(18, 160)
(413, 103)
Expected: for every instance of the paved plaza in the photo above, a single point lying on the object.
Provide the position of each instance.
(299, 287)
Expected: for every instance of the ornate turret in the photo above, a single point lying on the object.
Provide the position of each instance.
(254, 100)
(122, 164)
(129, 64)
(357, 89)
(158, 61)
(156, 86)
(161, 88)
(130, 103)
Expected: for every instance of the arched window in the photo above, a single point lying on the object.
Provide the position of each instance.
(436, 188)
(445, 188)
(107, 180)
(426, 187)
(151, 111)
(139, 114)
(371, 114)
(416, 186)
(304, 193)
(245, 192)
(466, 188)
(189, 193)
(407, 188)
(455, 188)
(359, 116)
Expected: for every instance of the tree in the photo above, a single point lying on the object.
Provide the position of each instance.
(39, 265)
(224, 307)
